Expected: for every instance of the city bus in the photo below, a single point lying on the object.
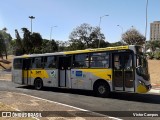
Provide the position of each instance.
(103, 70)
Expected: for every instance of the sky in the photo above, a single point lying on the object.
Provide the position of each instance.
(68, 14)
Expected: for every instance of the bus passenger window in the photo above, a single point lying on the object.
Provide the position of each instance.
(50, 62)
(128, 61)
(99, 60)
(37, 62)
(80, 61)
(117, 64)
(17, 64)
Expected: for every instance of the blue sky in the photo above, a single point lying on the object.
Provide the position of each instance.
(68, 14)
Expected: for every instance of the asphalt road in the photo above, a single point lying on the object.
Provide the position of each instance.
(118, 102)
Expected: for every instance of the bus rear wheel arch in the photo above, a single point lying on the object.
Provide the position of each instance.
(38, 83)
(101, 88)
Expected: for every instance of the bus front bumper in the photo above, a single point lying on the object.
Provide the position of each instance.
(143, 88)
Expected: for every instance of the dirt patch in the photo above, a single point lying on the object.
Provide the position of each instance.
(6, 64)
(4, 107)
(5, 76)
(154, 70)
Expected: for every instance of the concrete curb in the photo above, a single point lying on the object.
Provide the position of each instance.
(154, 91)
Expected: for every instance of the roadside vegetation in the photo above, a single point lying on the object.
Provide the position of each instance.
(153, 49)
(83, 36)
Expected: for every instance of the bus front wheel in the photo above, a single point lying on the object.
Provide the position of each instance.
(38, 84)
(102, 89)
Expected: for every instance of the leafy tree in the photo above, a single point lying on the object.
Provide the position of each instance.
(119, 43)
(36, 41)
(44, 47)
(5, 41)
(76, 45)
(49, 46)
(27, 43)
(85, 34)
(54, 46)
(13, 47)
(30, 43)
(62, 45)
(2, 49)
(18, 44)
(133, 37)
(102, 43)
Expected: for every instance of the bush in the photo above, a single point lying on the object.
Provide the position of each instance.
(157, 55)
(150, 55)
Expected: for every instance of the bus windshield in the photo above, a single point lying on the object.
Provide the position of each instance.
(142, 66)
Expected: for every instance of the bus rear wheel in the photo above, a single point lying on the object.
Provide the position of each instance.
(38, 84)
(102, 89)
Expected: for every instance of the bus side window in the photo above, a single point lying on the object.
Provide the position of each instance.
(50, 62)
(117, 64)
(37, 62)
(128, 61)
(80, 61)
(17, 64)
(99, 60)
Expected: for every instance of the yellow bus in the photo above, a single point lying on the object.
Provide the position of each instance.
(103, 70)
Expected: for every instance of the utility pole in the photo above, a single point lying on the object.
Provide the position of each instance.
(31, 17)
(100, 27)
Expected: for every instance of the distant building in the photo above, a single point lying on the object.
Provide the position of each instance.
(155, 30)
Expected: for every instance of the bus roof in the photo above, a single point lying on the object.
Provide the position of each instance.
(78, 51)
(97, 49)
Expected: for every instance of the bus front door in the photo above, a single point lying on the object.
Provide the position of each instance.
(123, 72)
(64, 66)
(26, 72)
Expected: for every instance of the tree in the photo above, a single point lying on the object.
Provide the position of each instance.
(27, 43)
(19, 49)
(62, 45)
(133, 37)
(54, 46)
(76, 45)
(2, 49)
(85, 34)
(49, 46)
(102, 43)
(119, 43)
(36, 41)
(5, 41)
(13, 47)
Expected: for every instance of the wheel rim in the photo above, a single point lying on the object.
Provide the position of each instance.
(101, 89)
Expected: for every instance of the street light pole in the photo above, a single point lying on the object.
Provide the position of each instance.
(122, 32)
(31, 17)
(51, 32)
(146, 26)
(100, 27)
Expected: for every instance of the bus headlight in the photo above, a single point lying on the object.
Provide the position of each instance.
(142, 83)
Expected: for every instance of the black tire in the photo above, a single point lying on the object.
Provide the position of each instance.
(102, 89)
(38, 84)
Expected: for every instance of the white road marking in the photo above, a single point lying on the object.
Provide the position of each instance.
(67, 105)
(115, 118)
